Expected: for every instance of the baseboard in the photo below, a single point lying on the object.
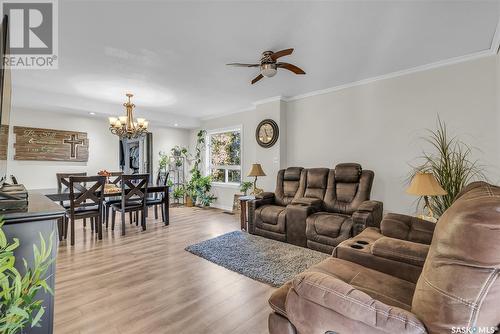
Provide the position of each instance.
(222, 207)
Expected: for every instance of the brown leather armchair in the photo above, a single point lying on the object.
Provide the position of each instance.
(267, 214)
(458, 287)
(346, 209)
(398, 248)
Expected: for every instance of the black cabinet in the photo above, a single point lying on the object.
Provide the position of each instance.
(40, 217)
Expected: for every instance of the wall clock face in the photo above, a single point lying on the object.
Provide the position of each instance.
(267, 133)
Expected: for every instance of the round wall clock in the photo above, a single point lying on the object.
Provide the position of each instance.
(267, 133)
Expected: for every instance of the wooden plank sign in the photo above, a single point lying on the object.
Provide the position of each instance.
(50, 145)
(4, 136)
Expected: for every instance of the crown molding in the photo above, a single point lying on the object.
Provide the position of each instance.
(252, 107)
(438, 64)
(495, 42)
(207, 118)
(270, 99)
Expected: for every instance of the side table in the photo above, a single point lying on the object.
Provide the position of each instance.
(243, 211)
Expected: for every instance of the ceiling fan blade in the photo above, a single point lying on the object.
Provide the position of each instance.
(257, 78)
(281, 53)
(291, 67)
(243, 65)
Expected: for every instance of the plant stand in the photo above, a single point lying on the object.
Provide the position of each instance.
(176, 168)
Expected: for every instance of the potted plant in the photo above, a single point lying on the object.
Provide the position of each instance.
(18, 306)
(451, 163)
(190, 194)
(245, 186)
(163, 162)
(178, 152)
(177, 194)
(202, 188)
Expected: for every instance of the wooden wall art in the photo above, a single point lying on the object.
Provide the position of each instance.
(4, 136)
(50, 145)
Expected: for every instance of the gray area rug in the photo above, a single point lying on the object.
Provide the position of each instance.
(262, 259)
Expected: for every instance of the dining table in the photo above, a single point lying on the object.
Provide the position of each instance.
(61, 195)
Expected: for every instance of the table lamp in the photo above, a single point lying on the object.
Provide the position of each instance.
(425, 184)
(256, 171)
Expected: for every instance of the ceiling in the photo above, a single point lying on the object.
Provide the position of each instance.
(172, 54)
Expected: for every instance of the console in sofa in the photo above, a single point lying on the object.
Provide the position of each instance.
(398, 248)
(458, 288)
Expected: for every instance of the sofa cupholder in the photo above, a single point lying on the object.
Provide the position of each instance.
(357, 246)
(362, 242)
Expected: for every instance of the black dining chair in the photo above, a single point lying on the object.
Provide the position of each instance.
(86, 194)
(133, 199)
(157, 199)
(63, 185)
(115, 178)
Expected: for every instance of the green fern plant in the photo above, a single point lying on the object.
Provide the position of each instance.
(451, 164)
(245, 186)
(18, 306)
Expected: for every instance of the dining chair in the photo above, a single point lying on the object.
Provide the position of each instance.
(86, 194)
(133, 199)
(114, 178)
(156, 199)
(62, 185)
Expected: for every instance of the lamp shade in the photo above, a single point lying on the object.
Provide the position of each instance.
(256, 170)
(425, 184)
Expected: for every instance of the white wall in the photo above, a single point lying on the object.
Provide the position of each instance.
(270, 159)
(379, 125)
(164, 139)
(103, 146)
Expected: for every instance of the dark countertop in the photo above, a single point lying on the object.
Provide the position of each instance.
(40, 207)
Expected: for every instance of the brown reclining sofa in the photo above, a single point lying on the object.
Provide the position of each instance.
(458, 289)
(317, 207)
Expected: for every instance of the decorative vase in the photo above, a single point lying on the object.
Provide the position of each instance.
(189, 201)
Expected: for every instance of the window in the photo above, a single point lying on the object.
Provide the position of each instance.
(224, 156)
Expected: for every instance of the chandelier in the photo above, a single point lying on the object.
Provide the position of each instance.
(127, 126)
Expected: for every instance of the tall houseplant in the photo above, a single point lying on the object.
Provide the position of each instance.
(198, 188)
(451, 163)
(18, 306)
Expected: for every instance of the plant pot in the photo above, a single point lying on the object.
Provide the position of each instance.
(189, 201)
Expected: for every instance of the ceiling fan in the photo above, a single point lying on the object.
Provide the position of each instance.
(269, 66)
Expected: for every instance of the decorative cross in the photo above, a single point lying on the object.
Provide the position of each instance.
(74, 141)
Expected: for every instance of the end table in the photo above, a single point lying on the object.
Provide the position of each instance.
(243, 211)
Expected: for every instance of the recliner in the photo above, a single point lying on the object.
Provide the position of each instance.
(267, 214)
(458, 287)
(348, 190)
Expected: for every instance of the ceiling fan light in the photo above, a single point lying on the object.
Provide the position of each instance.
(268, 70)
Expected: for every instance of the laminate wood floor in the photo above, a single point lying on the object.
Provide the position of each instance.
(145, 282)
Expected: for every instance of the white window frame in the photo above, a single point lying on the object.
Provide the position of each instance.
(226, 168)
